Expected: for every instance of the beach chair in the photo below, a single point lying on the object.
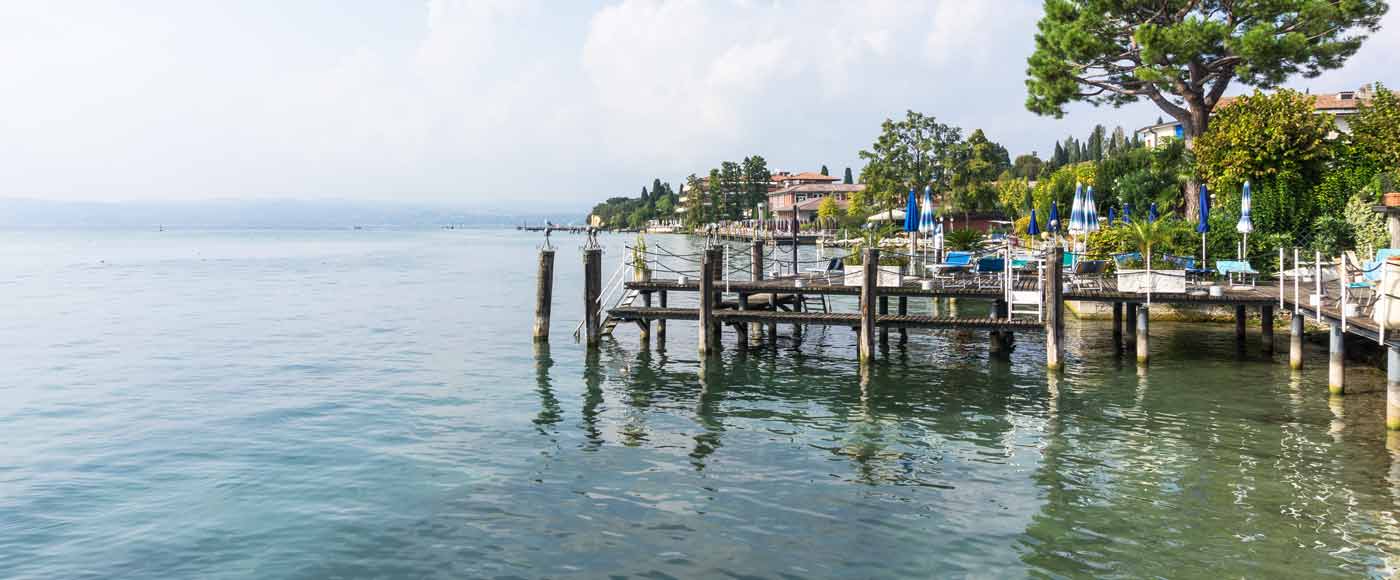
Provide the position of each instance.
(834, 269)
(989, 272)
(1239, 270)
(954, 263)
(1121, 261)
(1188, 263)
(1088, 274)
(1363, 279)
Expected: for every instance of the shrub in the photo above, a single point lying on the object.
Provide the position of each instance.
(962, 239)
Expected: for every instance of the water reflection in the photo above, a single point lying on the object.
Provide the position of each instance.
(550, 413)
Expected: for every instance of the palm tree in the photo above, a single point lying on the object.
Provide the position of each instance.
(1147, 234)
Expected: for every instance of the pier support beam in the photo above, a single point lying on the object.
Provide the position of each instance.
(1336, 360)
(1392, 389)
(592, 288)
(1054, 309)
(1240, 316)
(741, 330)
(884, 330)
(756, 273)
(869, 277)
(544, 295)
(1266, 327)
(1000, 341)
(644, 325)
(1130, 323)
(1141, 335)
(903, 311)
(1117, 326)
(661, 323)
(1295, 341)
(708, 262)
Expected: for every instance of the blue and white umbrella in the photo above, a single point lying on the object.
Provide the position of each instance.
(927, 225)
(911, 213)
(1090, 211)
(1076, 211)
(1053, 224)
(1245, 226)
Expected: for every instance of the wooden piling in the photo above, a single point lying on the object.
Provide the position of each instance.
(708, 262)
(1295, 341)
(1117, 326)
(741, 330)
(868, 293)
(1336, 360)
(903, 311)
(1130, 322)
(999, 343)
(592, 288)
(1141, 334)
(1392, 389)
(884, 330)
(661, 323)
(645, 325)
(756, 274)
(1266, 327)
(1054, 309)
(544, 295)
(1240, 315)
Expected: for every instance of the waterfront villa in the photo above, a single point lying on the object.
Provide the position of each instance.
(1342, 105)
(807, 196)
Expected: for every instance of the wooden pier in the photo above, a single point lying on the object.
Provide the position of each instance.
(747, 306)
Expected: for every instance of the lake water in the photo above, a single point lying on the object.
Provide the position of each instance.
(359, 404)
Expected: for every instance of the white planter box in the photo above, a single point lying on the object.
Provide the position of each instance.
(1162, 281)
(888, 276)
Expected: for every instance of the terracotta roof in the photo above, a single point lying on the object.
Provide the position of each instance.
(812, 204)
(819, 188)
(806, 176)
(1340, 101)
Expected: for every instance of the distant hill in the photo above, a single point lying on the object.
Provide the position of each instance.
(255, 214)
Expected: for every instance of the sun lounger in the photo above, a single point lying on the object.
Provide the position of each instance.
(1239, 270)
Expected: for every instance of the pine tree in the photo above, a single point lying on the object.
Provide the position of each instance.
(824, 170)
(848, 179)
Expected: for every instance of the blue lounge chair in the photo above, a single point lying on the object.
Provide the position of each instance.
(1088, 274)
(1121, 260)
(954, 263)
(1232, 269)
(1189, 264)
(989, 271)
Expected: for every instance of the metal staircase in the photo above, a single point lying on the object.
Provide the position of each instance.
(815, 303)
(626, 299)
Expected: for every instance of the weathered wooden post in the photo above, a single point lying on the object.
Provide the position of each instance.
(1130, 324)
(756, 274)
(884, 330)
(1054, 309)
(544, 295)
(903, 311)
(1141, 334)
(1239, 323)
(869, 277)
(1117, 326)
(1266, 327)
(741, 330)
(1392, 389)
(661, 322)
(645, 323)
(1295, 341)
(592, 288)
(999, 340)
(708, 261)
(1336, 360)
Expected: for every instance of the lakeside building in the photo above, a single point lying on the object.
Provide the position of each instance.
(1341, 105)
(807, 196)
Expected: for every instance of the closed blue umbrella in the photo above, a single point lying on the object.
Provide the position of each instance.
(1203, 225)
(1111, 217)
(1245, 226)
(1053, 224)
(1033, 228)
(911, 213)
(1127, 213)
(1152, 212)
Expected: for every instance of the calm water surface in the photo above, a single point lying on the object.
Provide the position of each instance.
(369, 404)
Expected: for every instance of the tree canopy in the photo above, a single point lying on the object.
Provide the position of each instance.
(909, 153)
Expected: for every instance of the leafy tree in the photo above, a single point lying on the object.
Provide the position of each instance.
(1280, 145)
(1183, 54)
(1013, 197)
(756, 180)
(1375, 130)
(1117, 143)
(1094, 150)
(828, 211)
(909, 153)
(858, 205)
(1026, 166)
(665, 208)
(977, 163)
(718, 206)
(824, 172)
(848, 180)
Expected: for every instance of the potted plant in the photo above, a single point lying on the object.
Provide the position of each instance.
(1387, 184)
(891, 268)
(641, 270)
(1150, 273)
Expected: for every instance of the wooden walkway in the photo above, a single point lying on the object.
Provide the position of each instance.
(644, 314)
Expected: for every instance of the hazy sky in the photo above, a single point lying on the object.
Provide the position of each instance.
(498, 101)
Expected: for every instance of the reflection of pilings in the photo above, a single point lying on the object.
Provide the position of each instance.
(550, 413)
(1054, 309)
(592, 397)
(1240, 318)
(1266, 327)
(1117, 326)
(711, 375)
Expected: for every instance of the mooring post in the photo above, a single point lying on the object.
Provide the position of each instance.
(1130, 324)
(741, 330)
(1392, 389)
(1336, 360)
(1117, 326)
(1054, 309)
(592, 287)
(645, 324)
(706, 317)
(884, 330)
(756, 274)
(1266, 327)
(903, 311)
(1295, 341)
(999, 340)
(1239, 323)
(661, 322)
(869, 276)
(544, 295)
(1141, 334)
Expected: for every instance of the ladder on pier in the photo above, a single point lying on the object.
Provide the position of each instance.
(815, 303)
(609, 323)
